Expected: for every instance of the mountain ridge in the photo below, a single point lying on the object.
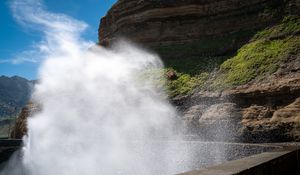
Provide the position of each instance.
(15, 92)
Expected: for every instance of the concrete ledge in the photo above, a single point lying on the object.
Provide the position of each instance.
(8, 147)
(11, 142)
(285, 161)
(281, 160)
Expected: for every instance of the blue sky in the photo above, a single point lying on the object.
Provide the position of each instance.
(15, 39)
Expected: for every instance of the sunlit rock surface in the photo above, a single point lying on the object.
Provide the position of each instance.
(261, 110)
(193, 27)
(265, 111)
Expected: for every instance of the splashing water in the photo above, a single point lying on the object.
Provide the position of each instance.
(97, 116)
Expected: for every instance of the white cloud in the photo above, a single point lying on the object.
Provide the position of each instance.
(58, 30)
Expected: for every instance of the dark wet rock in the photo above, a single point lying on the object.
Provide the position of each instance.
(171, 75)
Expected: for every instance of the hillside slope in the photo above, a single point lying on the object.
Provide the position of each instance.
(14, 94)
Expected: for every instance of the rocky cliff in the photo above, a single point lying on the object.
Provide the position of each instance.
(263, 111)
(258, 90)
(182, 29)
(236, 63)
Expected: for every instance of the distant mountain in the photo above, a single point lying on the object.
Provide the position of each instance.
(15, 92)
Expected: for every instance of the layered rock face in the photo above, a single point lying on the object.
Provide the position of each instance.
(176, 28)
(265, 109)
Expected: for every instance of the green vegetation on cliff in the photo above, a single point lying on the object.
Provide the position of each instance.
(173, 82)
(184, 83)
(262, 56)
(290, 25)
(255, 60)
(259, 58)
(194, 66)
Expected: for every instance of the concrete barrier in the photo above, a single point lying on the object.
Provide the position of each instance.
(281, 160)
(11, 142)
(8, 147)
(284, 161)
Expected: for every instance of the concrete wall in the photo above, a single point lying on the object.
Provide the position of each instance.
(8, 147)
(282, 161)
(285, 161)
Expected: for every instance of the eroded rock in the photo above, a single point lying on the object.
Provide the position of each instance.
(177, 28)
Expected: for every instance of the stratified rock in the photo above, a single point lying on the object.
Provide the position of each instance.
(263, 111)
(220, 122)
(177, 28)
(289, 115)
(257, 115)
(256, 126)
(192, 116)
(261, 124)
